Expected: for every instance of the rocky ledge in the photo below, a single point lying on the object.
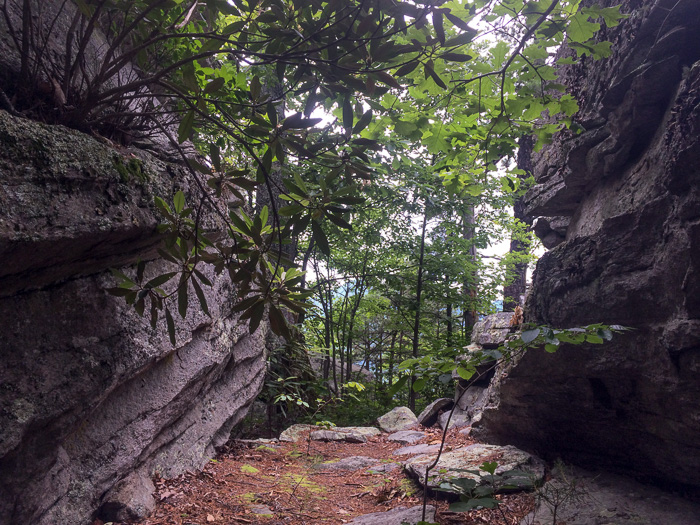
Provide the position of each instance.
(623, 200)
(93, 402)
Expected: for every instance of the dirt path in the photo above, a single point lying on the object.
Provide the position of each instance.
(285, 483)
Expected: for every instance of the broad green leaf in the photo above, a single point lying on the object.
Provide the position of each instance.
(185, 129)
(580, 29)
(200, 296)
(529, 336)
(179, 201)
(171, 326)
(347, 115)
(463, 38)
(182, 296)
(320, 238)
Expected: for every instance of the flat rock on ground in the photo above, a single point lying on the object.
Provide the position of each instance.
(294, 433)
(608, 499)
(406, 437)
(349, 463)
(399, 418)
(416, 449)
(383, 468)
(470, 458)
(368, 432)
(397, 516)
(334, 435)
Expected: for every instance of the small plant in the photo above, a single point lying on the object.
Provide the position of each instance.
(562, 491)
(478, 490)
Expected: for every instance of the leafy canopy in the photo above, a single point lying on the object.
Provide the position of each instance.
(303, 105)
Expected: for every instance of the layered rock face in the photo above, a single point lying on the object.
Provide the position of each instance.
(90, 395)
(624, 201)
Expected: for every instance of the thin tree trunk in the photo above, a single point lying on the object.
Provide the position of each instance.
(513, 292)
(448, 336)
(416, 321)
(469, 285)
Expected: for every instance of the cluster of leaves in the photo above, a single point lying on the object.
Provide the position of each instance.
(476, 359)
(250, 81)
(477, 490)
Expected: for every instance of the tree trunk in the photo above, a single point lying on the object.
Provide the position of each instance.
(416, 321)
(469, 286)
(515, 290)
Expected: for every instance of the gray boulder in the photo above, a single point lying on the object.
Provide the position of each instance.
(295, 432)
(630, 185)
(458, 419)
(472, 398)
(428, 417)
(399, 418)
(492, 330)
(90, 392)
(130, 499)
(452, 464)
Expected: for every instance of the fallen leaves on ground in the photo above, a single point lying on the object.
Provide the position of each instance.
(280, 483)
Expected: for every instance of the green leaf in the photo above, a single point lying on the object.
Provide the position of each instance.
(159, 280)
(458, 22)
(215, 155)
(430, 72)
(456, 57)
(339, 221)
(214, 86)
(171, 326)
(272, 114)
(580, 29)
(347, 114)
(182, 296)
(419, 384)
(529, 336)
(278, 323)
(200, 296)
(489, 466)
(185, 128)
(594, 339)
(255, 88)
(179, 202)
(407, 68)
(397, 386)
(297, 121)
(364, 121)
(463, 38)
(320, 238)
(387, 79)
(119, 291)
(437, 24)
(256, 316)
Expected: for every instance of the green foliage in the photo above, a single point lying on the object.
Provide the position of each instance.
(478, 490)
(325, 111)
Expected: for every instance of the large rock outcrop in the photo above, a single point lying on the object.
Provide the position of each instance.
(625, 195)
(91, 398)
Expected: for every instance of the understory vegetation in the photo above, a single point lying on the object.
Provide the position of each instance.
(356, 158)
